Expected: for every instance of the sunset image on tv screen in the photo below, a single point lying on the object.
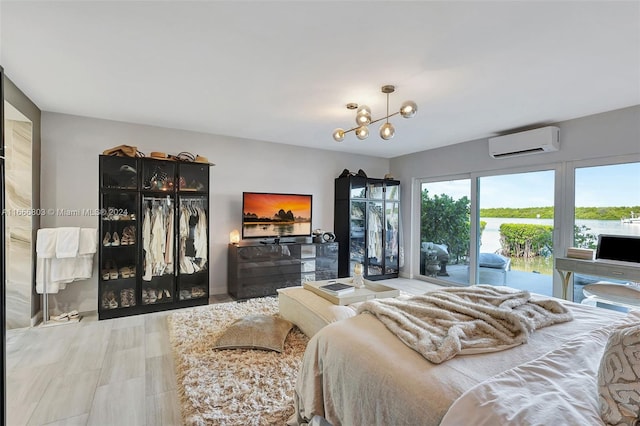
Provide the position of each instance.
(274, 215)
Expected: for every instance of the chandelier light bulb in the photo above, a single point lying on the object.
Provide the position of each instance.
(387, 131)
(338, 135)
(408, 109)
(362, 132)
(363, 116)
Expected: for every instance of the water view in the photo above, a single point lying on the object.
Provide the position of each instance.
(491, 238)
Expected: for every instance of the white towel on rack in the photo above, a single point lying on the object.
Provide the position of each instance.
(88, 241)
(46, 243)
(55, 268)
(68, 242)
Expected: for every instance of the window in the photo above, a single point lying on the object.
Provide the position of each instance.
(607, 201)
(445, 230)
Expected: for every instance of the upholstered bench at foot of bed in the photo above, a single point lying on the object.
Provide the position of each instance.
(309, 311)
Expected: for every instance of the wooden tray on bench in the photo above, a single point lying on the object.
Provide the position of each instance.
(371, 290)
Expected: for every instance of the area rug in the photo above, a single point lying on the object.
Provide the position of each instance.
(238, 386)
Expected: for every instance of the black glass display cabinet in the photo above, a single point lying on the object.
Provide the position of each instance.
(154, 230)
(366, 224)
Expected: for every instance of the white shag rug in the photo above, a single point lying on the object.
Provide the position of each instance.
(236, 386)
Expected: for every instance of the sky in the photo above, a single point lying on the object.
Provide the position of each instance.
(601, 186)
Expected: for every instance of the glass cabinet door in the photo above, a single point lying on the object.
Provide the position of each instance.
(375, 190)
(375, 232)
(392, 191)
(158, 175)
(119, 249)
(358, 188)
(158, 217)
(118, 173)
(358, 225)
(193, 177)
(193, 247)
(391, 237)
(392, 227)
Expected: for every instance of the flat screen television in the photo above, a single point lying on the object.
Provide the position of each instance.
(273, 215)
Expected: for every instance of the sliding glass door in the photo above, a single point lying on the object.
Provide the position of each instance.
(445, 240)
(516, 231)
(512, 242)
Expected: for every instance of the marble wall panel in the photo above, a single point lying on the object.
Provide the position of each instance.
(19, 229)
(19, 287)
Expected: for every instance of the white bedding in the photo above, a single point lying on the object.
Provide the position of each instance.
(558, 388)
(356, 372)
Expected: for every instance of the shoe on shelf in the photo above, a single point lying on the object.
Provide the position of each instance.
(106, 240)
(63, 317)
(124, 298)
(128, 236)
(116, 239)
(132, 271)
(166, 292)
(105, 275)
(109, 300)
(124, 272)
(132, 234)
(113, 272)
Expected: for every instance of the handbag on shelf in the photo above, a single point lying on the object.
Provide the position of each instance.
(123, 151)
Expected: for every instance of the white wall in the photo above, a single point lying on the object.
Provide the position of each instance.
(70, 149)
(611, 134)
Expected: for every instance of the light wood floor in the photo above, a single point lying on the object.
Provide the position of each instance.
(112, 372)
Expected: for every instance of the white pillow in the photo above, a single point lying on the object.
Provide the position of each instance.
(619, 377)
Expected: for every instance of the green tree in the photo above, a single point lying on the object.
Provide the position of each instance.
(526, 240)
(583, 238)
(444, 220)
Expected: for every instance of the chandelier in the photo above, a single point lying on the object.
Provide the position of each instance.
(363, 118)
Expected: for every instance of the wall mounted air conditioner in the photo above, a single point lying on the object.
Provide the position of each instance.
(544, 139)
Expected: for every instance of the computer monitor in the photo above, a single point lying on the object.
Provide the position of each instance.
(624, 248)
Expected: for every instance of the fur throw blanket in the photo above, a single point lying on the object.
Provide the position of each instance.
(463, 320)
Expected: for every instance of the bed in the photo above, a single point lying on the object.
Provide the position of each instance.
(356, 372)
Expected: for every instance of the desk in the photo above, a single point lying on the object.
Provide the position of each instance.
(618, 270)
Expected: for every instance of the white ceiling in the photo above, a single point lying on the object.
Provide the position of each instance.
(283, 71)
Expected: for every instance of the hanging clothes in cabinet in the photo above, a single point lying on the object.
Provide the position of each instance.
(157, 234)
(193, 254)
